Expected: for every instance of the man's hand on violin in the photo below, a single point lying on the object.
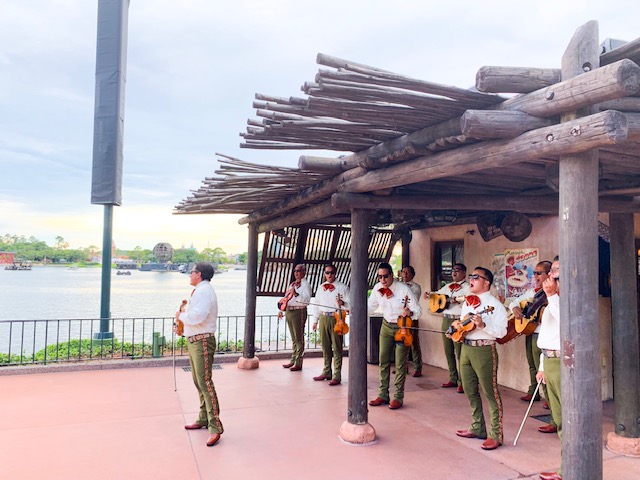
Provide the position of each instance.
(406, 312)
(477, 319)
(550, 286)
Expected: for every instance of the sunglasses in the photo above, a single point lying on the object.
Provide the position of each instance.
(384, 276)
(298, 271)
(539, 273)
(329, 273)
(475, 276)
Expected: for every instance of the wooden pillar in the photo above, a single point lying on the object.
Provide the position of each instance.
(248, 360)
(406, 240)
(579, 322)
(626, 353)
(356, 428)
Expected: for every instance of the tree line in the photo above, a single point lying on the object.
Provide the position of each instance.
(33, 250)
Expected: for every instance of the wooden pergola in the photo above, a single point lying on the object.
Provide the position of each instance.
(536, 141)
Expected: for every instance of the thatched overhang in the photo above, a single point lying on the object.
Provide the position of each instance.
(422, 154)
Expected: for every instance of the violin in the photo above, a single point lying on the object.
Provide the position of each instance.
(457, 335)
(282, 303)
(179, 324)
(341, 327)
(404, 335)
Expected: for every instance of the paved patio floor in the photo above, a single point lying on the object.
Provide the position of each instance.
(128, 424)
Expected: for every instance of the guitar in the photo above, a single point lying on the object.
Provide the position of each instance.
(531, 313)
(457, 335)
(404, 335)
(341, 327)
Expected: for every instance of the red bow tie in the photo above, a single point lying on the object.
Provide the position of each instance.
(329, 286)
(386, 292)
(537, 289)
(454, 287)
(473, 301)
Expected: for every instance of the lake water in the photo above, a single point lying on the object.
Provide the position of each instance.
(61, 293)
(141, 303)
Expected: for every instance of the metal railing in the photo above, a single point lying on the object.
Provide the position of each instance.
(27, 342)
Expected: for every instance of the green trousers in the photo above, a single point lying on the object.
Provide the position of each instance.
(389, 346)
(479, 369)
(296, 320)
(552, 377)
(535, 353)
(331, 347)
(201, 361)
(416, 351)
(451, 351)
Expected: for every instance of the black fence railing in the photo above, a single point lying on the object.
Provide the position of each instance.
(26, 342)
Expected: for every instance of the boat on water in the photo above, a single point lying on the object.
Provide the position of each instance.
(19, 266)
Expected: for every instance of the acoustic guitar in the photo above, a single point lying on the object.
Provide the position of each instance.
(531, 313)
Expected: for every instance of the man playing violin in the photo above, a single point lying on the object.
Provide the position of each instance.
(549, 343)
(479, 357)
(296, 315)
(332, 297)
(541, 273)
(454, 290)
(395, 299)
(406, 274)
(199, 320)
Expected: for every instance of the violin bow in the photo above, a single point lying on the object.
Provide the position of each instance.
(533, 397)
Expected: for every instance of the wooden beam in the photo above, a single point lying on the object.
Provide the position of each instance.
(628, 50)
(248, 348)
(580, 135)
(516, 203)
(619, 79)
(515, 79)
(579, 320)
(490, 124)
(320, 164)
(300, 217)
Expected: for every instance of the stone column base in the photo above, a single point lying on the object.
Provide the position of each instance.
(623, 445)
(248, 363)
(357, 434)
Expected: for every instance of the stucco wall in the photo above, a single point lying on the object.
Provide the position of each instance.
(513, 369)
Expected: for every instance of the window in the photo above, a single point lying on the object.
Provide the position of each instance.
(447, 254)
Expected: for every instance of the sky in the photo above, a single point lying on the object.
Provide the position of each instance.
(193, 68)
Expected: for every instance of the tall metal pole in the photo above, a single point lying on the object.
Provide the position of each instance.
(105, 297)
(108, 132)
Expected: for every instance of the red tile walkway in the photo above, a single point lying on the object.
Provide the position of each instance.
(128, 424)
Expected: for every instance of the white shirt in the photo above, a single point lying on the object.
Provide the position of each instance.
(201, 312)
(303, 295)
(549, 337)
(454, 309)
(495, 321)
(392, 306)
(417, 291)
(326, 301)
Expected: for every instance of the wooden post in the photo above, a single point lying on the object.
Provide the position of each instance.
(356, 428)
(406, 240)
(626, 353)
(248, 360)
(579, 322)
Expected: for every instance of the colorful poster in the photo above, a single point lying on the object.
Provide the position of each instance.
(518, 270)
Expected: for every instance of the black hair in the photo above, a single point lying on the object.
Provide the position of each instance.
(205, 269)
(487, 273)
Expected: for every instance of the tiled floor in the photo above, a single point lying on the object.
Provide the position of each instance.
(128, 424)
